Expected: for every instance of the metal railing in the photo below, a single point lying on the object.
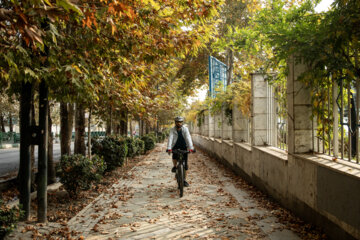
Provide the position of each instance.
(9, 138)
(280, 116)
(336, 124)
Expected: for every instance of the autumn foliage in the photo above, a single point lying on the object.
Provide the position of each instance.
(106, 55)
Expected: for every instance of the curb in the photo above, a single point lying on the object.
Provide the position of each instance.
(52, 187)
(6, 146)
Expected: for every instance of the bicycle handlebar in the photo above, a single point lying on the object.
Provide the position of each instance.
(179, 151)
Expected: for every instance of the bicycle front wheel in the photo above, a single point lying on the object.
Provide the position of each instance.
(181, 179)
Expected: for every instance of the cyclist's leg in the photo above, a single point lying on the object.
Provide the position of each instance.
(186, 161)
(186, 168)
(174, 158)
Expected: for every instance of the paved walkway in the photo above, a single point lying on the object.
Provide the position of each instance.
(146, 205)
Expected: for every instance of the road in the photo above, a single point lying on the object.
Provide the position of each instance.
(10, 158)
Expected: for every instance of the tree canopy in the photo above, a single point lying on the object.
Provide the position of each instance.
(268, 33)
(123, 55)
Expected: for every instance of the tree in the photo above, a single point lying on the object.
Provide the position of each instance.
(103, 55)
(9, 108)
(66, 126)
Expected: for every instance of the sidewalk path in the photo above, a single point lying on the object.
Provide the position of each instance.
(146, 205)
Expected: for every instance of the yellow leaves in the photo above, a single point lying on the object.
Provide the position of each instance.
(316, 103)
(113, 29)
(47, 2)
(197, 43)
(166, 12)
(153, 4)
(77, 68)
(253, 5)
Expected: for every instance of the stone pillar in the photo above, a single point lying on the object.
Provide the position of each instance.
(299, 110)
(195, 127)
(239, 126)
(211, 125)
(259, 110)
(217, 124)
(201, 128)
(226, 127)
(206, 124)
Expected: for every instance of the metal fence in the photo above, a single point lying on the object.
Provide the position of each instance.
(336, 122)
(276, 112)
(280, 116)
(9, 137)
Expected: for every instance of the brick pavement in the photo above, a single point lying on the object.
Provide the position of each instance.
(146, 205)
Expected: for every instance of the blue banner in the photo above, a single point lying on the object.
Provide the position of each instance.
(217, 75)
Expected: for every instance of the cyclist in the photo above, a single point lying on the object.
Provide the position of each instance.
(179, 138)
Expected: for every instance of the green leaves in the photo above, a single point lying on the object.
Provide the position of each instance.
(67, 5)
(31, 73)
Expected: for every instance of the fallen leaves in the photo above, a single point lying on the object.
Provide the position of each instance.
(95, 228)
(207, 207)
(28, 228)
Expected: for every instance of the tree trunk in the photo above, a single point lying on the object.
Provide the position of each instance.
(109, 124)
(141, 129)
(71, 122)
(80, 130)
(51, 163)
(131, 128)
(2, 122)
(117, 128)
(24, 175)
(10, 122)
(32, 147)
(89, 134)
(42, 178)
(123, 123)
(66, 123)
(230, 66)
(108, 128)
(147, 129)
(157, 127)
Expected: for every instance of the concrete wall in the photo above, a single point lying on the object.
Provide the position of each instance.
(319, 190)
(226, 127)
(239, 126)
(217, 125)
(211, 125)
(315, 187)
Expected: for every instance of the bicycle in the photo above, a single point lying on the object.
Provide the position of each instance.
(180, 169)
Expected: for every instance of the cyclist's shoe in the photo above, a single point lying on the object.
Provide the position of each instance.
(186, 184)
(173, 169)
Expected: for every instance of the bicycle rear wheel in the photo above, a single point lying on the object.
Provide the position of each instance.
(181, 179)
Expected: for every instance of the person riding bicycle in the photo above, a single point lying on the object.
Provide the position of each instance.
(180, 138)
